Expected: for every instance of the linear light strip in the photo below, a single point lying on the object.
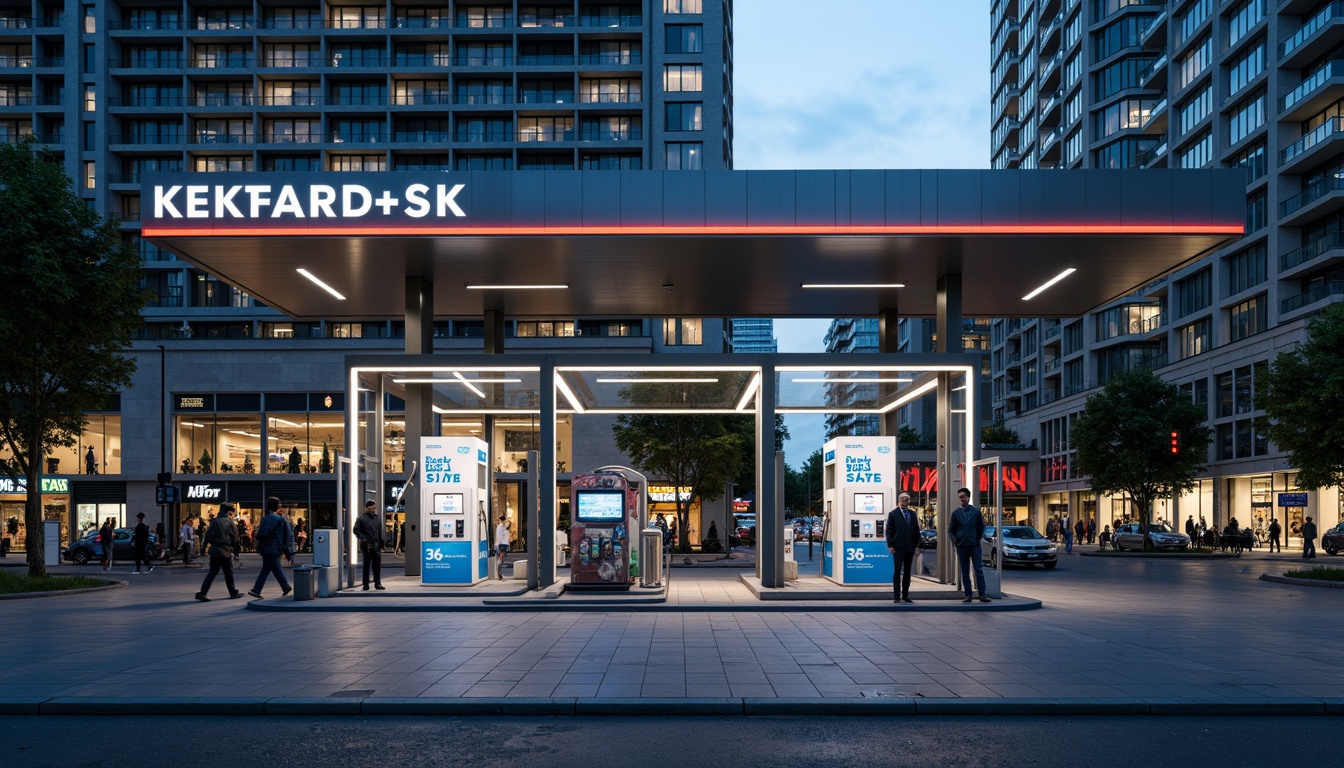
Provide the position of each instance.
(541, 287)
(908, 396)
(1049, 283)
(457, 375)
(657, 368)
(851, 381)
(155, 228)
(754, 385)
(468, 382)
(656, 381)
(320, 284)
(852, 285)
(569, 394)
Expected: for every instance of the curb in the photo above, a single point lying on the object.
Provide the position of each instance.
(1177, 555)
(58, 592)
(694, 707)
(552, 606)
(1302, 582)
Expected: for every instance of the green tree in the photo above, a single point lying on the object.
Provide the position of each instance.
(1123, 440)
(72, 303)
(745, 428)
(802, 486)
(998, 433)
(699, 452)
(908, 435)
(1303, 401)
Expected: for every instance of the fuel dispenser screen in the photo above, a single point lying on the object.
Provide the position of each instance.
(869, 504)
(447, 504)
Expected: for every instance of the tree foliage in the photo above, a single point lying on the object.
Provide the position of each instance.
(1303, 401)
(908, 435)
(998, 433)
(699, 452)
(1123, 440)
(802, 486)
(72, 303)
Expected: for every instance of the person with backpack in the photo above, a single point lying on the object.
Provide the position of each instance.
(273, 538)
(221, 540)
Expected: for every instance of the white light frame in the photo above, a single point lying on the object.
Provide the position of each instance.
(1049, 283)
(319, 283)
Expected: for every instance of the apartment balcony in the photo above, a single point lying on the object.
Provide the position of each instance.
(148, 102)
(1005, 71)
(1325, 196)
(1006, 101)
(422, 22)
(1050, 72)
(1155, 157)
(1050, 107)
(1314, 39)
(1005, 131)
(1050, 36)
(1316, 91)
(1007, 36)
(442, 137)
(1154, 36)
(341, 60)
(155, 142)
(611, 20)
(273, 138)
(24, 99)
(1052, 366)
(1155, 122)
(1312, 296)
(28, 62)
(1321, 253)
(1051, 142)
(1155, 75)
(239, 102)
(1322, 142)
(431, 99)
(226, 139)
(156, 64)
(231, 61)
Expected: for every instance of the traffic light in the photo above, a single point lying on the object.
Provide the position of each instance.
(166, 494)
(1175, 443)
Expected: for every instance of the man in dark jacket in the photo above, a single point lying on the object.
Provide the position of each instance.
(903, 543)
(222, 541)
(372, 536)
(140, 542)
(274, 538)
(966, 530)
(1309, 540)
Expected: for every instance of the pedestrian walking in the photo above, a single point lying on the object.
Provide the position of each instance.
(221, 540)
(1080, 532)
(1275, 530)
(372, 535)
(1068, 535)
(188, 537)
(903, 543)
(966, 529)
(140, 543)
(1309, 540)
(501, 544)
(105, 536)
(274, 539)
(200, 533)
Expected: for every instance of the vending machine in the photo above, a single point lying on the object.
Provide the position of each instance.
(603, 510)
(453, 521)
(859, 489)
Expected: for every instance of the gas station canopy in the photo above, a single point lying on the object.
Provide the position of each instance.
(675, 243)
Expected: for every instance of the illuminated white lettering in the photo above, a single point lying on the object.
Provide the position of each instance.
(163, 201)
(447, 201)
(259, 195)
(287, 203)
(416, 204)
(348, 194)
(224, 200)
(320, 198)
(198, 207)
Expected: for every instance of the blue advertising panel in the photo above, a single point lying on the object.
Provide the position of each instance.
(867, 562)
(482, 561)
(1292, 499)
(447, 562)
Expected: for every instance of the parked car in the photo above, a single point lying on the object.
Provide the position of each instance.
(87, 548)
(928, 539)
(1333, 540)
(1130, 536)
(1022, 545)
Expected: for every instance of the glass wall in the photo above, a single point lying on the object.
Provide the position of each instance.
(98, 451)
(228, 433)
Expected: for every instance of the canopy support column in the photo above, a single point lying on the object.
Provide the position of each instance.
(769, 510)
(544, 492)
(949, 341)
(888, 342)
(419, 405)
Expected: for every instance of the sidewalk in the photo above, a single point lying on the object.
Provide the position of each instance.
(1113, 637)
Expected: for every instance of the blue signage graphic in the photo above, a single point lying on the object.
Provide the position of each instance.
(867, 562)
(827, 558)
(446, 562)
(482, 566)
(1292, 499)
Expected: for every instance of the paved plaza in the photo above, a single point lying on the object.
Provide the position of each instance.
(1138, 633)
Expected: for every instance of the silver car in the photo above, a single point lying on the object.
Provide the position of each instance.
(1022, 545)
(1130, 536)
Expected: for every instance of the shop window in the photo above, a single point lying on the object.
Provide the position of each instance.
(303, 443)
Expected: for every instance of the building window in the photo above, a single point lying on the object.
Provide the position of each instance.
(1243, 17)
(90, 174)
(1199, 153)
(1247, 269)
(1194, 339)
(1194, 293)
(682, 332)
(684, 116)
(1246, 68)
(1252, 159)
(1193, 17)
(1193, 64)
(1246, 117)
(682, 78)
(684, 155)
(685, 38)
(1196, 109)
(1248, 318)
(90, 100)
(682, 6)
(1257, 211)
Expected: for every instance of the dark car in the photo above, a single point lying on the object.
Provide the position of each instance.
(1022, 545)
(1333, 540)
(928, 539)
(87, 548)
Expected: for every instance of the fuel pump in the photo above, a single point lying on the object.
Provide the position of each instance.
(859, 488)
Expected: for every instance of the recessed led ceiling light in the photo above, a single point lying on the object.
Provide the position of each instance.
(851, 380)
(853, 285)
(569, 394)
(1049, 283)
(320, 284)
(656, 381)
(541, 287)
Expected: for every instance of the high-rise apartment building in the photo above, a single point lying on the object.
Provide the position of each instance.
(1252, 84)
(753, 335)
(117, 90)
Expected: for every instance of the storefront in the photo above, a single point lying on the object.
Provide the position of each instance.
(662, 501)
(55, 506)
(312, 502)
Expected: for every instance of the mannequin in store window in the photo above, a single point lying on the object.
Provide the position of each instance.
(90, 462)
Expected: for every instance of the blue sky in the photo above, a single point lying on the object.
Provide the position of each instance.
(857, 84)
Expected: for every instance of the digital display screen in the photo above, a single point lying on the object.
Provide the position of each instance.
(600, 507)
(447, 504)
(869, 504)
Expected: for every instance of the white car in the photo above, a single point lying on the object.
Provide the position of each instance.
(1130, 536)
(1022, 545)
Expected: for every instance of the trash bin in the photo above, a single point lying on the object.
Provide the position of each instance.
(651, 557)
(305, 583)
(328, 582)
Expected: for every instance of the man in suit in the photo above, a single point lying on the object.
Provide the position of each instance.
(903, 542)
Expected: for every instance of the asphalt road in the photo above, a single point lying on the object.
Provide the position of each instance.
(670, 742)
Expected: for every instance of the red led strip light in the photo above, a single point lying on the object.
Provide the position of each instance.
(170, 230)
